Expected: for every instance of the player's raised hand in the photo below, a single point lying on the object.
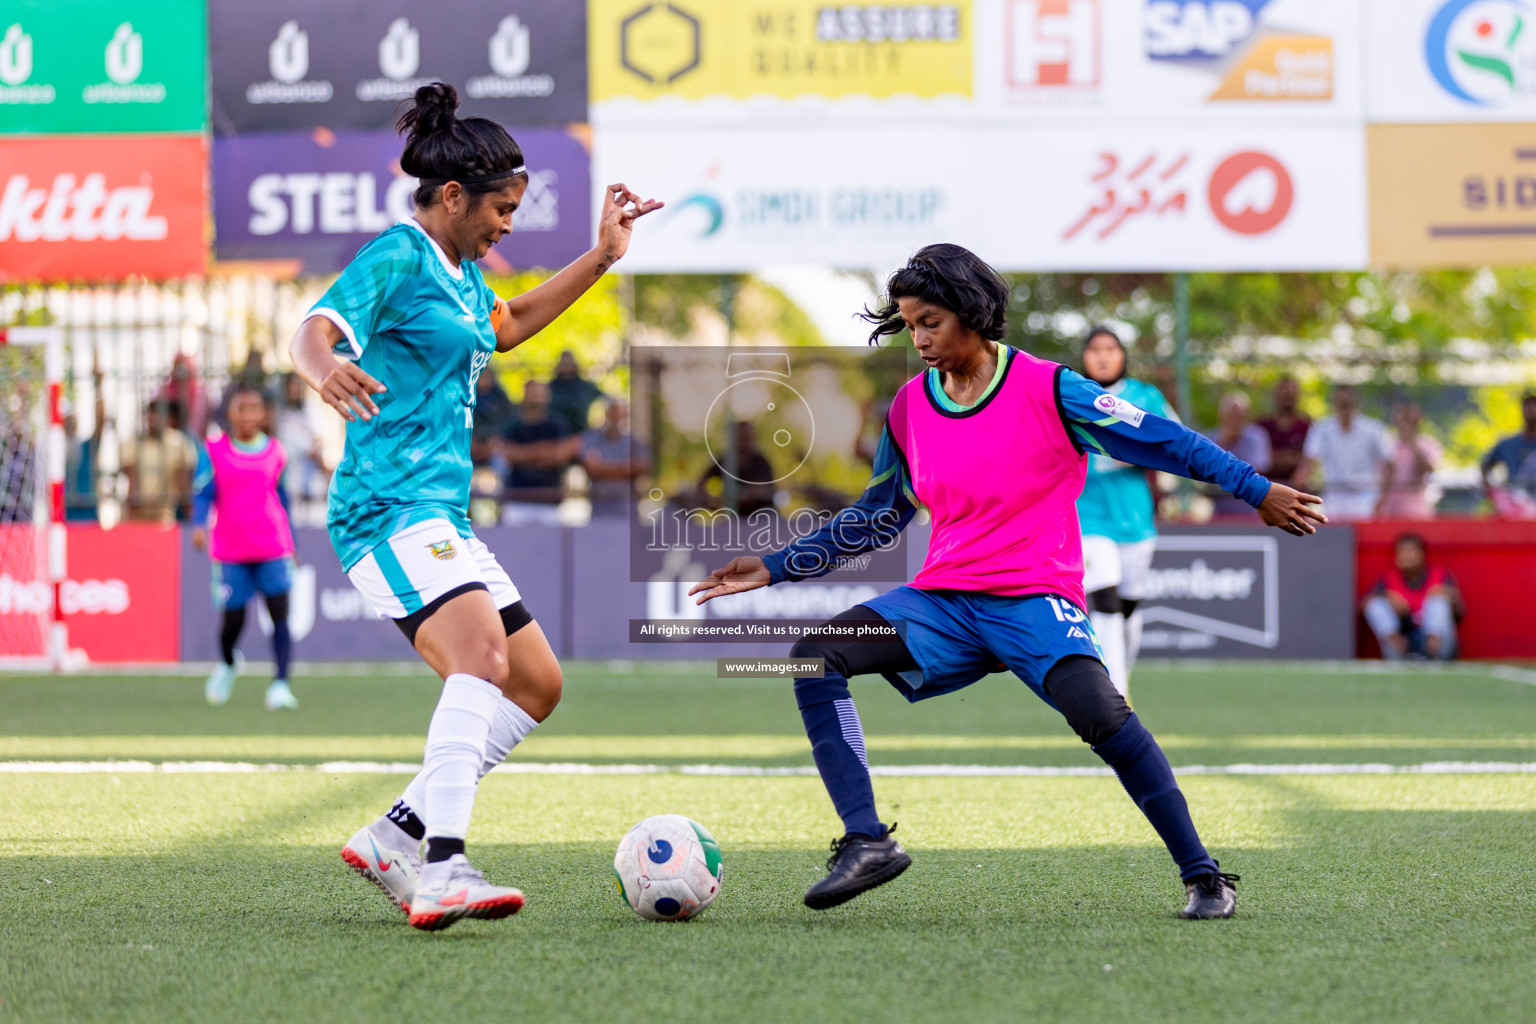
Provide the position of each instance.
(621, 208)
(747, 572)
(1290, 509)
(347, 389)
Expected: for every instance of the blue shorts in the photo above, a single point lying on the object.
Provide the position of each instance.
(234, 583)
(956, 638)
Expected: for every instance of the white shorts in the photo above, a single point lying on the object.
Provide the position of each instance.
(1124, 567)
(423, 563)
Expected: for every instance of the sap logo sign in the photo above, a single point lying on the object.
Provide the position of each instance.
(338, 203)
(1197, 29)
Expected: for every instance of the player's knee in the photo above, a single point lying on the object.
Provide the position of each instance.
(1080, 687)
(493, 663)
(277, 607)
(830, 652)
(1106, 601)
(543, 696)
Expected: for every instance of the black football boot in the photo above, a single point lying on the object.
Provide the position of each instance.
(858, 863)
(1210, 895)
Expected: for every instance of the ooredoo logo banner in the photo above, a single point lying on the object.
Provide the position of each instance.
(101, 208)
(293, 64)
(102, 66)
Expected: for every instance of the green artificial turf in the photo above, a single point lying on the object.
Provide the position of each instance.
(213, 897)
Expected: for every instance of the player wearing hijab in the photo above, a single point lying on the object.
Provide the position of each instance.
(396, 345)
(991, 440)
(1118, 518)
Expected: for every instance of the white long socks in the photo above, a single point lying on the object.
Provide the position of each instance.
(1109, 627)
(456, 741)
(509, 727)
(1132, 640)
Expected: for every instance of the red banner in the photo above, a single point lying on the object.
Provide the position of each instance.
(122, 600)
(102, 208)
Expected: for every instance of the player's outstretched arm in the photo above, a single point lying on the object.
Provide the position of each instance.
(343, 385)
(746, 572)
(534, 310)
(1291, 510)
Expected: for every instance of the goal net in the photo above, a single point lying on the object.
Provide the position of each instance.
(31, 459)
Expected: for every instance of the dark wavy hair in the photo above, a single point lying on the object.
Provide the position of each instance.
(950, 276)
(441, 145)
(1125, 357)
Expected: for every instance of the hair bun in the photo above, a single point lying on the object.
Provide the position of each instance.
(434, 111)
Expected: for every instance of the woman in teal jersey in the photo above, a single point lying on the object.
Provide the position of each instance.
(395, 346)
(1118, 517)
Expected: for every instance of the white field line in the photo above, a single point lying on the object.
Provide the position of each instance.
(755, 771)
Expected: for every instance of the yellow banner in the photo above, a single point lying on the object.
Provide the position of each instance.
(741, 48)
(1452, 195)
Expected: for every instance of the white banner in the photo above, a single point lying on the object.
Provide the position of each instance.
(1451, 60)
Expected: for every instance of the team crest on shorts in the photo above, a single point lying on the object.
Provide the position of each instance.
(444, 551)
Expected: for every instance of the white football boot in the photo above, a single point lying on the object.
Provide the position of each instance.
(451, 889)
(395, 872)
(221, 681)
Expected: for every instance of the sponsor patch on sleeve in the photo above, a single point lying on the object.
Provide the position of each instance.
(1120, 409)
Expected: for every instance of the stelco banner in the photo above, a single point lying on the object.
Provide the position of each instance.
(102, 208)
(295, 64)
(102, 66)
(1451, 60)
(318, 197)
(743, 48)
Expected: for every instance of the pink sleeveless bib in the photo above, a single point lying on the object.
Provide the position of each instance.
(1001, 481)
(249, 524)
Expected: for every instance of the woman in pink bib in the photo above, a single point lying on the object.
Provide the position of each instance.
(992, 441)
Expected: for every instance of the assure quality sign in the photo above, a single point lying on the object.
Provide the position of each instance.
(101, 207)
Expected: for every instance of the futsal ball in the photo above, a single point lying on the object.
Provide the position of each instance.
(668, 868)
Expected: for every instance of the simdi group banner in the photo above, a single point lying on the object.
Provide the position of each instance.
(298, 64)
(100, 208)
(318, 196)
(102, 66)
(1051, 198)
(1451, 60)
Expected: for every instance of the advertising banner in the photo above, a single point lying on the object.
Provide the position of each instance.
(1452, 195)
(102, 208)
(121, 599)
(295, 64)
(1450, 60)
(693, 49)
(102, 66)
(1284, 59)
(318, 196)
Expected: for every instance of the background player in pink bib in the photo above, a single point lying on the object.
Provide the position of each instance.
(991, 441)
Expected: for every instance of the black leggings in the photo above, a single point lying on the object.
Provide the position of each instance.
(1077, 684)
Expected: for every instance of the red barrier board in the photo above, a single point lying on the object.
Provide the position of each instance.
(122, 598)
(102, 207)
(1494, 560)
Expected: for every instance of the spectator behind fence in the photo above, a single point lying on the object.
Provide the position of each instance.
(612, 461)
(538, 448)
(571, 395)
(494, 416)
(1287, 432)
(1514, 489)
(159, 464)
(753, 473)
(1414, 607)
(182, 388)
(1239, 435)
(1348, 449)
(1413, 456)
(82, 457)
(296, 425)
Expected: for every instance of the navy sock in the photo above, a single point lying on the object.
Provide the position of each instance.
(837, 743)
(1146, 776)
(282, 639)
(229, 632)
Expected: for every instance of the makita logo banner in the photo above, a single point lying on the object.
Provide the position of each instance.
(99, 209)
(346, 64)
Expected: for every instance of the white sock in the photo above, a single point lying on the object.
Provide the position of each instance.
(1132, 640)
(509, 728)
(455, 750)
(1109, 627)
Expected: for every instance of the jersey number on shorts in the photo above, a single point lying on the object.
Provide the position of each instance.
(1064, 610)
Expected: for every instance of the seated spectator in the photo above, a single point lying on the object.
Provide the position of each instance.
(159, 464)
(494, 416)
(1414, 607)
(1347, 449)
(538, 448)
(612, 461)
(1240, 436)
(1509, 468)
(1405, 476)
(571, 395)
(1287, 431)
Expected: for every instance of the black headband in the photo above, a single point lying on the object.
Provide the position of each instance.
(476, 179)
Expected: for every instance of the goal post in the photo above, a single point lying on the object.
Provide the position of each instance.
(33, 541)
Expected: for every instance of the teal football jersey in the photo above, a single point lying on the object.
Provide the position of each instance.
(422, 328)
(1116, 502)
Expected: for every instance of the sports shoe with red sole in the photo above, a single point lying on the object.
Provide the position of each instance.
(452, 890)
(395, 872)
